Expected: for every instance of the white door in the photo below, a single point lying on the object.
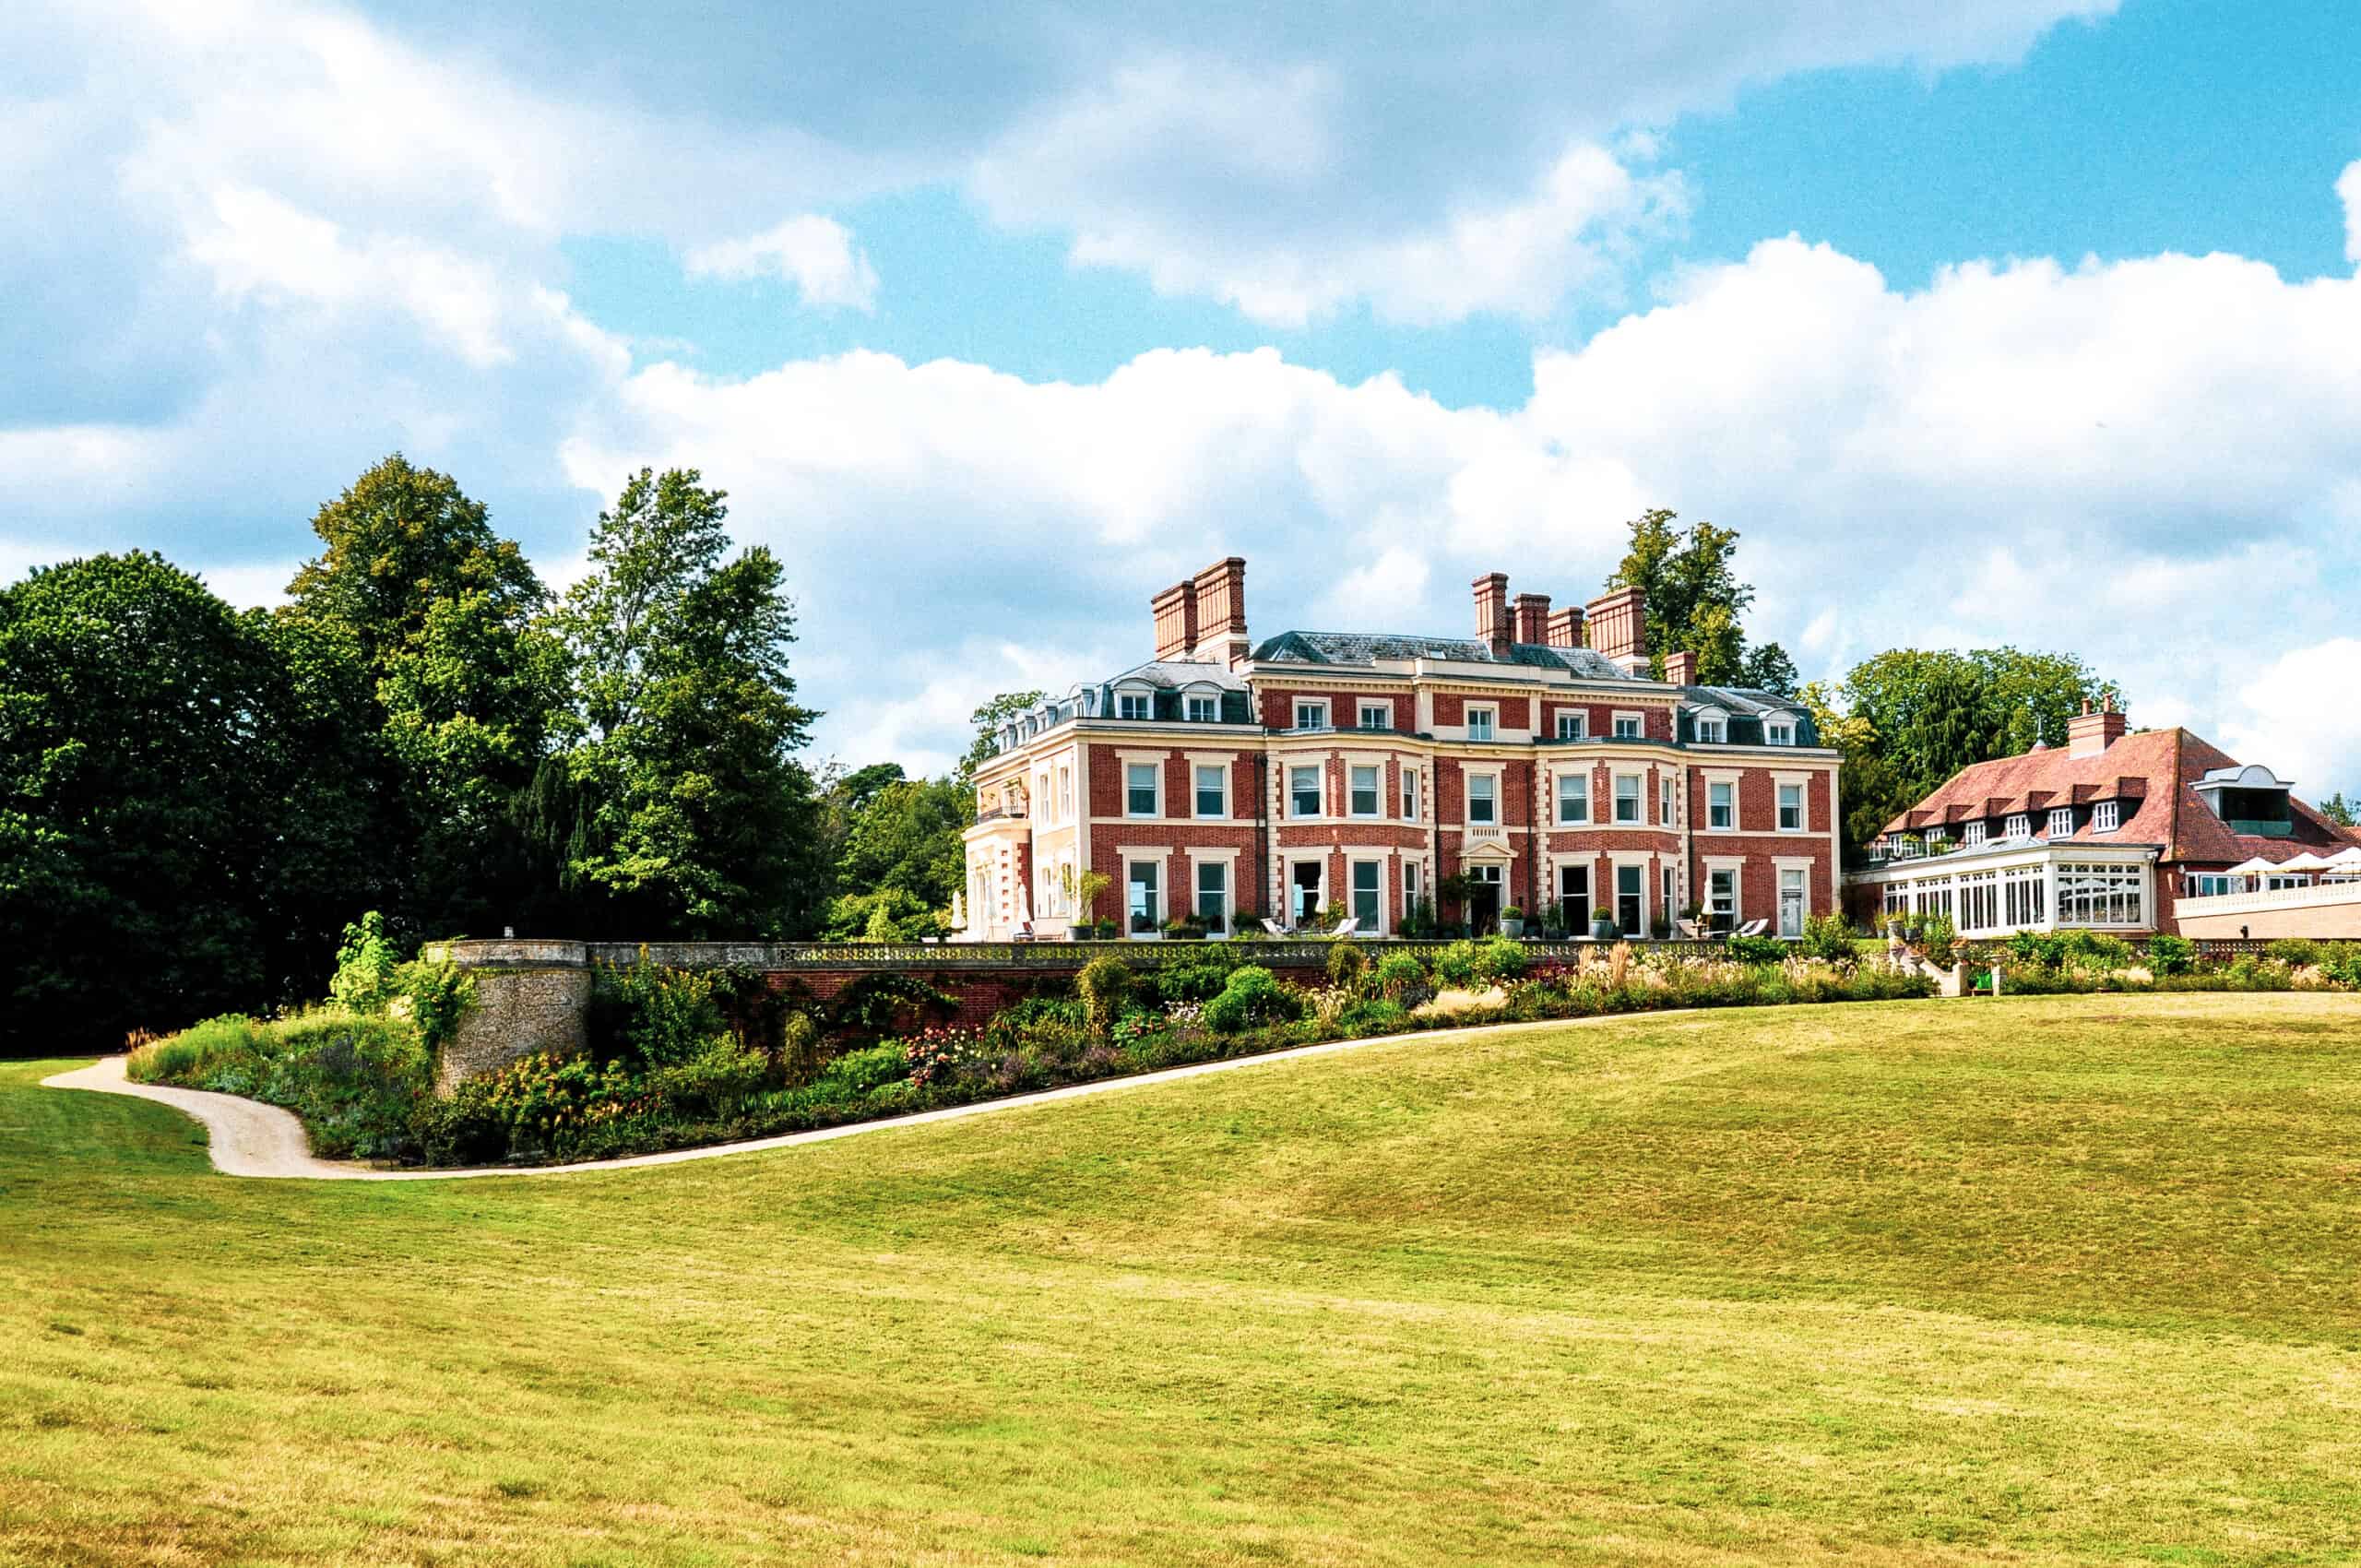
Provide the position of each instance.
(1791, 903)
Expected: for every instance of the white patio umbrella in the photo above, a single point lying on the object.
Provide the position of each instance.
(2258, 866)
(2304, 861)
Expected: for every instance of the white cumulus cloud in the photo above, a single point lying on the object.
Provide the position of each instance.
(816, 255)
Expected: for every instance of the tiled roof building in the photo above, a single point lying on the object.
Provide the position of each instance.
(1537, 764)
(2112, 830)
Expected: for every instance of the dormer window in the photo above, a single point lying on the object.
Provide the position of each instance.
(1204, 710)
(2106, 816)
(2020, 827)
(1973, 835)
(2061, 823)
(1778, 732)
(1712, 732)
(1133, 705)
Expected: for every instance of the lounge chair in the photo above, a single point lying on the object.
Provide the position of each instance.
(1347, 928)
(1276, 928)
(1754, 928)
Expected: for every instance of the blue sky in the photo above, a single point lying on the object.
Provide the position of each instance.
(2028, 320)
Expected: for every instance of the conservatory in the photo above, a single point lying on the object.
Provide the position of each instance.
(2027, 884)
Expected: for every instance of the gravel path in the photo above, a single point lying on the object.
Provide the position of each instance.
(249, 1138)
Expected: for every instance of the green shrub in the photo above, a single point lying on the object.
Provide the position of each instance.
(1757, 949)
(1347, 964)
(856, 1072)
(1254, 997)
(1198, 976)
(2170, 955)
(1373, 1016)
(1502, 958)
(463, 1129)
(646, 1016)
(717, 1082)
(1829, 939)
(1455, 965)
(1104, 985)
(438, 996)
(1401, 978)
(2296, 952)
(1939, 937)
(365, 966)
(799, 1048)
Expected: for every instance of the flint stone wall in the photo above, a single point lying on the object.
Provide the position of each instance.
(529, 996)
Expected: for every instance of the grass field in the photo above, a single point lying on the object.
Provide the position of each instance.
(2041, 1279)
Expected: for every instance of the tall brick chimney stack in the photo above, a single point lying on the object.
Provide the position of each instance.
(1532, 618)
(1176, 621)
(1221, 614)
(1565, 627)
(1492, 612)
(1680, 669)
(2088, 734)
(1618, 629)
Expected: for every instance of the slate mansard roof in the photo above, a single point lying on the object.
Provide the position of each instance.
(1367, 648)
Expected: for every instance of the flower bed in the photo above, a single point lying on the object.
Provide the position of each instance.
(672, 1064)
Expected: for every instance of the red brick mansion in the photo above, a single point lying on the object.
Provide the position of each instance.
(1535, 765)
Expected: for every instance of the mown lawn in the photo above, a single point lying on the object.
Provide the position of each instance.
(2042, 1279)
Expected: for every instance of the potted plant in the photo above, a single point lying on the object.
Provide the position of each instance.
(1512, 921)
(1081, 890)
(1604, 929)
(1183, 927)
(1104, 930)
(1661, 927)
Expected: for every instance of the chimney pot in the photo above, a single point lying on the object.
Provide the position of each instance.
(1221, 613)
(1619, 628)
(1532, 618)
(1493, 622)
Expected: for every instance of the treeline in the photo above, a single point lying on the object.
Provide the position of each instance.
(195, 799)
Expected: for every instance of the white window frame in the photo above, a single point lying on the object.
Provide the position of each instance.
(1711, 786)
(1803, 806)
(1409, 886)
(1377, 923)
(2106, 816)
(1376, 790)
(1492, 784)
(1409, 794)
(1626, 725)
(1779, 733)
(1490, 714)
(1163, 896)
(1124, 701)
(1320, 790)
(1972, 834)
(2061, 828)
(1713, 732)
(1666, 811)
(1385, 712)
(1225, 864)
(1315, 707)
(2020, 826)
(1197, 771)
(1211, 709)
(1581, 796)
(1714, 870)
(1574, 724)
(1638, 798)
(1156, 772)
